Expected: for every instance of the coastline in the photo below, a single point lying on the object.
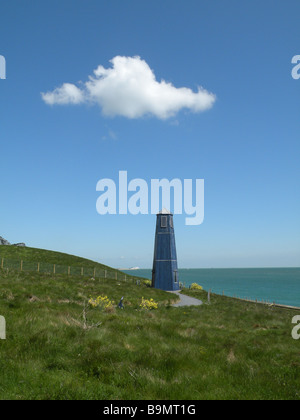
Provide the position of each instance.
(280, 285)
(277, 305)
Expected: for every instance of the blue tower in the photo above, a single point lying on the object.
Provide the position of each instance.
(165, 269)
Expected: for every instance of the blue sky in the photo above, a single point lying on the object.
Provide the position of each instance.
(245, 147)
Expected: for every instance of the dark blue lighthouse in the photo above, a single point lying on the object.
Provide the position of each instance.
(165, 269)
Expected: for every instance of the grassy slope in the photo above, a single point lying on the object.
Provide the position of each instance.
(51, 257)
(228, 349)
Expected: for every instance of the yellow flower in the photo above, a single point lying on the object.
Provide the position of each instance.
(196, 286)
(148, 304)
(102, 302)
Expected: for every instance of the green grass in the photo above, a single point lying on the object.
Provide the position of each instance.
(226, 350)
(43, 261)
(45, 256)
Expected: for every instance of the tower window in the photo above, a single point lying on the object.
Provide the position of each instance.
(171, 222)
(164, 221)
(175, 276)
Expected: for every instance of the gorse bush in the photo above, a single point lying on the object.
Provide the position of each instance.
(196, 286)
(147, 283)
(102, 302)
(148, 304)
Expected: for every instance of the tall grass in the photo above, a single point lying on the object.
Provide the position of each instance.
(42, 261)
(225, 350)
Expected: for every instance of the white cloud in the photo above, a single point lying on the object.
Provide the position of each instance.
(66, 94)
(130, 89)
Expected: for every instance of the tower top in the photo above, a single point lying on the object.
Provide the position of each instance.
(165, 211)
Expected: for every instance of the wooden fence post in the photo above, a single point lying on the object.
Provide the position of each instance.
(21, 266)
(54, 268)
(208, 296)
(2, 263)
(82, 271)
(38, 267)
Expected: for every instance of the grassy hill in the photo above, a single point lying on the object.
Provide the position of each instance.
(44, 261)
(50, 257)
(227, 349)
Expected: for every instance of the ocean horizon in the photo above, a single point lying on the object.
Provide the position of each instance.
(278, 285)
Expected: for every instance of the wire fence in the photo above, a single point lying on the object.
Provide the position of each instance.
(49, 268)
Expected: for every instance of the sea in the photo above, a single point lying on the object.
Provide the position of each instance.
(274, 285)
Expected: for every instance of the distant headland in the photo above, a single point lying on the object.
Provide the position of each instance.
(5, 242)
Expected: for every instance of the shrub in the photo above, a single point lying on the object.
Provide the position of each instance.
(148, 304)
(103, 303)
(196, 286)
(147, 283)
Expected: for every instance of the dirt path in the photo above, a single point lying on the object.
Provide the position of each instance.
(186, 300)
